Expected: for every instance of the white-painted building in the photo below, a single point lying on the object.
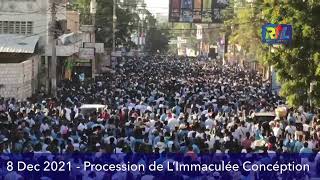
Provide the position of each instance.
(24, 35)
(29, 17)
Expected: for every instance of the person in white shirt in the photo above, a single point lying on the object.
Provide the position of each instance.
(76, 110)
(190, 134)
(211, 140)
(200, 135)
(290, 129)
(68, 112)
(243, 130)
(277, 130)
(30, 121)
(218, 117)
(172, 123)
(131, 106)
(209, 123)
(81, 127)
(44, 127)
(312, 144)
(237, 135)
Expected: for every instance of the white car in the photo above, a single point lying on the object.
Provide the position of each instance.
(89, 108)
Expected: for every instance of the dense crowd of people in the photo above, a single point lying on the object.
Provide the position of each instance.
(160, 105)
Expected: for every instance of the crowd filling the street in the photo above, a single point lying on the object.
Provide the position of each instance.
(161, 105)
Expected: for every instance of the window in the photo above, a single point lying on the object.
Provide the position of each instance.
(11, 27)
(29, 27)
(16, 27)
(5, 27)
(23, 28)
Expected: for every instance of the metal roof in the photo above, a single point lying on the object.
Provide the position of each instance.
(13, 43)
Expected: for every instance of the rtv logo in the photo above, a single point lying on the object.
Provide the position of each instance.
(276, 33)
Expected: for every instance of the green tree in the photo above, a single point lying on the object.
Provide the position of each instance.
(298, 63)
(127, 22)
(83, 7)
(158, 38)
(245, 22)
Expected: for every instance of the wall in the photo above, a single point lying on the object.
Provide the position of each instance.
(73, 21)
(19, 80)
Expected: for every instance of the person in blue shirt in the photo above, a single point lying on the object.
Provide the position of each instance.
(163, 117)
(305, 149)
(177, 110)
(292, 144)
(291, 119)
(298, 145)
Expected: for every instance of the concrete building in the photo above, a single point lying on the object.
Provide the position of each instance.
(24, 35)
(25, 47)
(29, 17)
(19, 66)
(73, 21)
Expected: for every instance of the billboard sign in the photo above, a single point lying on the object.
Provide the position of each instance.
(196, 11)
(175, 10)
(206, 11)
(221, 3)
(276, 33)
(217, 6)
(187, 11)
(216, 15)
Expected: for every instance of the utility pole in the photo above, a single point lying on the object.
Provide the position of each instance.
(53, 67)
(114, 20)
(142, 26)
(201, 41)
(93, 6)
(139, 29)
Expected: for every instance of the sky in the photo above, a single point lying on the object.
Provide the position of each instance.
(158, 6)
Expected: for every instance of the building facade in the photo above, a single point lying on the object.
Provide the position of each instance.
(29, 17)
(19, 79)
(73, 21)
(24, 35)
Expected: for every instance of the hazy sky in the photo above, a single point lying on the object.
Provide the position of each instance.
(158, 6)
